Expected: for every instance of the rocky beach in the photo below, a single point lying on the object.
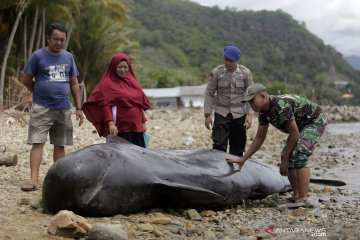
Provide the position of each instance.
(334, 212)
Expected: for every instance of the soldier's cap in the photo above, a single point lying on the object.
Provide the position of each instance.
(233, 53)
(252, 90)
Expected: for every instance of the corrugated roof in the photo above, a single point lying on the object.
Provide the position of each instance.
(193, 90)
(176, 91)
(162, 92)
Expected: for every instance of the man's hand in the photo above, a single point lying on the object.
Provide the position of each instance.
(284, 168)
(208, 122)
(79, 116)
(248, 122)
(27, 80)
(240, 161)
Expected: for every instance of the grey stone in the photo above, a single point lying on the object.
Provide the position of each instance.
(173, 228)
(5, 218)
(193, 215)
(107, 232)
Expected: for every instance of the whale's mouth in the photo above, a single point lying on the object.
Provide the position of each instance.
(99, 185)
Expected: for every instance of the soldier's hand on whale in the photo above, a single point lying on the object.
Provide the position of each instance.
(239, 161)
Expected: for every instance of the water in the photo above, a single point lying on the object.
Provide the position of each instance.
(348, 142)
(348, 174)
(344, 128)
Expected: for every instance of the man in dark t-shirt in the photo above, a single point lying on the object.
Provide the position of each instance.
(305, 123)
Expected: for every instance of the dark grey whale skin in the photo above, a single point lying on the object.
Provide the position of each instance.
(120, 178)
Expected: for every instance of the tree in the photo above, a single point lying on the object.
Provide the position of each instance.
(33, 31)
(97, 25)
(98, 36)
(20, 10)
(276, 88)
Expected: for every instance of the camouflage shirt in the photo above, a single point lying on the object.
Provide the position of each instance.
(225, 91)
(284, 108)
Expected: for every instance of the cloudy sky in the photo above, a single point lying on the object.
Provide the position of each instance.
(337, 22)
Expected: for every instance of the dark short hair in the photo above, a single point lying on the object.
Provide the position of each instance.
(54, 26)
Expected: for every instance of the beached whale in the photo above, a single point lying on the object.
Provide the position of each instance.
(118, 177)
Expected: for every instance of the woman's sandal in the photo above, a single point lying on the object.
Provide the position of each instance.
(29, 187)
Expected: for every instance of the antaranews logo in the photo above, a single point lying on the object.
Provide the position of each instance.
(312, 232)
(270, 230)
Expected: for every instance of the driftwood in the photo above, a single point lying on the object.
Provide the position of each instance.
(8, 160)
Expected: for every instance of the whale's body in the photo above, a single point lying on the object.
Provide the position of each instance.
(119, 177)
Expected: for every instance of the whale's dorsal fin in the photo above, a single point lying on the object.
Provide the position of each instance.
(116, 139)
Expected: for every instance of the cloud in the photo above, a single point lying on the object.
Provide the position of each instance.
(335, 21)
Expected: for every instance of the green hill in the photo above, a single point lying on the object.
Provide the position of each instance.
(181, 41)
(354, 61)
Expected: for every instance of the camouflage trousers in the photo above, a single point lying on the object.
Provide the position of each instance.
(309, 137)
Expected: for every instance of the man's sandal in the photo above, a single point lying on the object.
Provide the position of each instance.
(28, 187)
(287, 200)
(296, 205)
(302, 202)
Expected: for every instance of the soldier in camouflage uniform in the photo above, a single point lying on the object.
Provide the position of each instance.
(305, 123)
(229, 81)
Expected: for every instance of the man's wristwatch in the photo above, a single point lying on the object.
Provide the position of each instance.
(207, 114)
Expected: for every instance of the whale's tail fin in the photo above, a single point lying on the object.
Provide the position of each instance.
(329, 182)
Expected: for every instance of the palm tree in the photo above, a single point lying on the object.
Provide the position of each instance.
(20, 10)
(97, 36)
(96, 30)
(33, 31)
(50, 7)
(62, 11)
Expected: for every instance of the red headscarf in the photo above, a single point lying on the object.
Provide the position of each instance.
(113, 91)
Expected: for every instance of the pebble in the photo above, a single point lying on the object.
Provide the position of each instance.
(193, 215)
(146, 227)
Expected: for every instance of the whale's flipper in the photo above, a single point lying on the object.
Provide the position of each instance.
(172, 192)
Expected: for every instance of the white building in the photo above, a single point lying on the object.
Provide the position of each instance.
(177, 97)
(163, 97)
(193, 96)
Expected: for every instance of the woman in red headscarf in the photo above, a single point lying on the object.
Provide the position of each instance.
(117, 104)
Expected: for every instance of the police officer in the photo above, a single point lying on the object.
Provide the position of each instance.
(232, 117)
